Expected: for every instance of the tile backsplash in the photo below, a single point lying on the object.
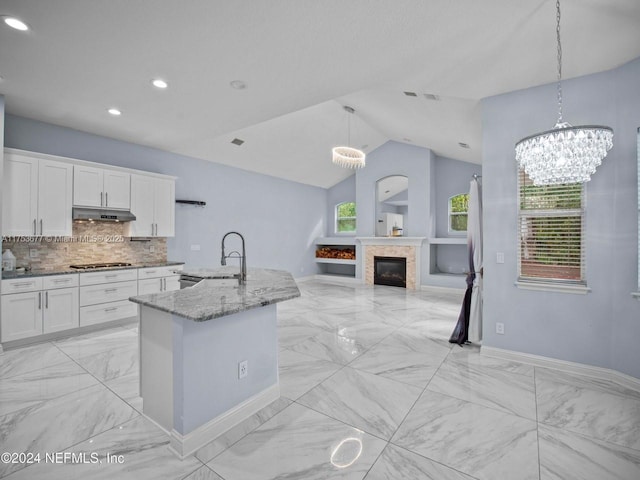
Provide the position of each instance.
(90, 243)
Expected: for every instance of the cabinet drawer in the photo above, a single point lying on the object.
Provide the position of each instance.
(60, 281)
(156, 272)
(109, 292)
(94, 314)
(95, 278)
(20, 285)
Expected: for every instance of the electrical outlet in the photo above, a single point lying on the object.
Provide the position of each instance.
(152, 248)
(499, 257)
(500, 328)
(243, 369)
(33, 253)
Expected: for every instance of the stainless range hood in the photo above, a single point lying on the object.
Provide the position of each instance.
(102, 215)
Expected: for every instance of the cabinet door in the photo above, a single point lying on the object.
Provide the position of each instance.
(87, 186)
(165, 206)
(172, 283)
(150, 285)
(55, 193)
(19, 195)
(21, 315)
(142, 188)
(117, 189)
(61, 310)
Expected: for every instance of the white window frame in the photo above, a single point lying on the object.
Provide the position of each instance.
(637, 294)
(450, 214)
(335, 224)
(551, 283)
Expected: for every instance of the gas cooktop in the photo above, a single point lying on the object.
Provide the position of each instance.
(93, 266)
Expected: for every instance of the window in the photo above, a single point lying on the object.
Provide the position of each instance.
(551, 232)
(346, 217)
(458, 211)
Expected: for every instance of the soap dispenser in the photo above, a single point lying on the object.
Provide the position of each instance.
(8, 261)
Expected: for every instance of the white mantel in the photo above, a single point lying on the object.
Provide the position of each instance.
(405, 247)
(399, 241)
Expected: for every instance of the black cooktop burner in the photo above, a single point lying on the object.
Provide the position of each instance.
(92, 266)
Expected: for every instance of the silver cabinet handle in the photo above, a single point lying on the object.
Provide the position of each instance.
(110, 309)
(161, 285)
(46, 299)
(39, 300)
(61, 280)
(106, 199)
(23, 284)
(41, 230)
(110, 290)
(34, 227)
(148, 272)
(113, 275)
(100, 198)
(165, 284)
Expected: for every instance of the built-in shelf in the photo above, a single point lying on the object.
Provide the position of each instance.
(448, 240)
(337, 261)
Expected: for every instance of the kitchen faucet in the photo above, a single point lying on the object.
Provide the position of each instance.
(242, 277)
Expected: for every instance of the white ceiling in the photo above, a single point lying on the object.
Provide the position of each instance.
(301, 60)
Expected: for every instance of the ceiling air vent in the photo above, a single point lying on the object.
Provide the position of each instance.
(237, 141)
(463, 145)
(431, 96)
(411, 94)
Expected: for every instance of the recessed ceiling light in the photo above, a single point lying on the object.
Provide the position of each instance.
(237, 141)
(159, 83)
(431, 96)
(114, 111)
(405, 139)
(411, 94)
(463, 145)
(238, 84)
(16, 23)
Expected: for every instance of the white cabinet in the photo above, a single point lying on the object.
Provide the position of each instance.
(101, 188)
(153, 204)
(158, 279)
(104, 296)
(37, 196)
(50, 306)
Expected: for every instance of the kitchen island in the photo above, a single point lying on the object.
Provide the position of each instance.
(209, 353)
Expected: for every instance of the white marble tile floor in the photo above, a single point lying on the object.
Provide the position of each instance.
(370, 389)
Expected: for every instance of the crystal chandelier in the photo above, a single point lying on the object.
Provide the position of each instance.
(565, 154)
(348, 157)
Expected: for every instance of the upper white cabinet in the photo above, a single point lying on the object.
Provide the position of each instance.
(37, 196)
(153, 204)
(97, 187)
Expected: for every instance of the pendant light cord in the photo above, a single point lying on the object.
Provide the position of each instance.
(559, 63)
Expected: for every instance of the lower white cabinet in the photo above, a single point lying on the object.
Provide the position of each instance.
(39, 311)
(104, 296)
(158, 279)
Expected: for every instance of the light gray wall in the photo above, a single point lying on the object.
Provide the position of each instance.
(345, 191)
(1, 155)
(279, 219)
(601, 328)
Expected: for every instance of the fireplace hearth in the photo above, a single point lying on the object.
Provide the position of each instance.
(390, 271)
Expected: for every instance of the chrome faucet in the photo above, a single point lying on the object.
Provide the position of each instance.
(242, 277)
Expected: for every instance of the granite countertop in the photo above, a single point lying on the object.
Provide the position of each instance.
(42, 272)
(212, 298)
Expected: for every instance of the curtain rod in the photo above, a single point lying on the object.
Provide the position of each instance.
(476, 176)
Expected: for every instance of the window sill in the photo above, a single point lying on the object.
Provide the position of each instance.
(553, 287)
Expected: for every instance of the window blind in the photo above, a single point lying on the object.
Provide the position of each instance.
(551, 231)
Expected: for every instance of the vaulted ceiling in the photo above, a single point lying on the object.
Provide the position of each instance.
(300, 61)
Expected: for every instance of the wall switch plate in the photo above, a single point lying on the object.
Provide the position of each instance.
(499, 257)
(243, 369)
(33, 253)
(500, 328)
(195, 248)
(152, 248)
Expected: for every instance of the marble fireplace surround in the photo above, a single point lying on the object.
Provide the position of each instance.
(402, 247)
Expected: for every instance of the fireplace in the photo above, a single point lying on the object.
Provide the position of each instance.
(390, 271)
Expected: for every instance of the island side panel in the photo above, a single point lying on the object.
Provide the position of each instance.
(206, 377)
(156, 366)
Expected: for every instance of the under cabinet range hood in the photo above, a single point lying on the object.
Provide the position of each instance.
(102, 215)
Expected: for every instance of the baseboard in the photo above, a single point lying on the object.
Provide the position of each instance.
(344, 280)
(185, 445)
(565, 366)
(437, 288)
